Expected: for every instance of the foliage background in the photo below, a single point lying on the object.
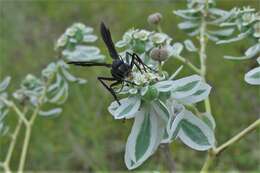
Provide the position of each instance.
(85, 137)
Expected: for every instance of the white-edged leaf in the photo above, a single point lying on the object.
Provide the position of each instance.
(144, 138)
(258, 60)
(209, 120)
(173, 124)
(239, 37)
(89, 38)
(120, 44)
(253, 51)
(128, 108)
(222, 32)
(72, 78)
(61, 94)
(201, 94)
(177, 48)
(190, 46)
(4, 84)
(186, 86)
(184, 15)
(235, 57)
(164, 86)
(188, 25)
(83, 53)
(52, 112)
(195, 133)
(161, 109)
(253, 76)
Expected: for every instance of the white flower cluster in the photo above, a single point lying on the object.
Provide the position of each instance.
(142, 41)
(151, 46)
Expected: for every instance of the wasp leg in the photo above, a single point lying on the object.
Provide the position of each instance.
(139, 60)
(133, 62)
(109, 88)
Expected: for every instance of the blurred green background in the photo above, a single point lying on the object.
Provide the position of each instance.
(85, 137)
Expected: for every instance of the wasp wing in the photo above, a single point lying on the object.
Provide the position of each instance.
(89, 64)
(105, 33)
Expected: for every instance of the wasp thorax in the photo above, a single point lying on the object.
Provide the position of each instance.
(154, 18)
(159, 54)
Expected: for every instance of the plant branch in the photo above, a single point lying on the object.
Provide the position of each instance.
(16, 109)
(29, 128)
(188, 63)
(6, 163)
(215, 152)
(236, 138)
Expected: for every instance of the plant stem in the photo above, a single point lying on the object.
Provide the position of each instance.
(25, 148)
(6, 163)
(12, 146)
(188, 63)
(159, 28)
(168, 158)
(29, 130)
(16, 109)
(214, 152)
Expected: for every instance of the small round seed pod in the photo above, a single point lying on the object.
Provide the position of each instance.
(159, 54)
(154, 19)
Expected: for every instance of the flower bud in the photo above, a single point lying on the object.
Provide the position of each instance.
(154, 18)
(151, 94)
(159, 54)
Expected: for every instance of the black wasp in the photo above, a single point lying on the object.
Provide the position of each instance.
(120, 70)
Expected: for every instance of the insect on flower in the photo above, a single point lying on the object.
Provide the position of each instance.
(121, 69)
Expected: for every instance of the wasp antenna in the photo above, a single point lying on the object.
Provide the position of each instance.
(105, 33)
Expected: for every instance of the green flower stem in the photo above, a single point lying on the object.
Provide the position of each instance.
(213, 153)
(188, 63)
(159, 28)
